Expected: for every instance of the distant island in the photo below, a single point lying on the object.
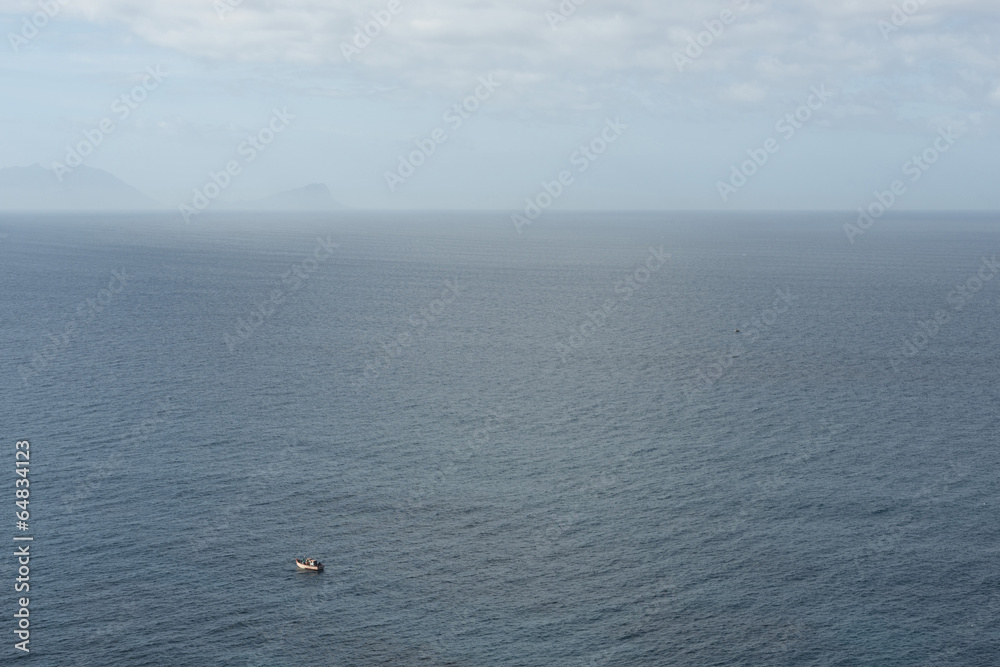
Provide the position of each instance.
(36, 188)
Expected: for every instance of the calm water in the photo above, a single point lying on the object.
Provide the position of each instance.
(563, 455)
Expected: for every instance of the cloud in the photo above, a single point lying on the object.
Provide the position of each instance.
(769, 51)
(746, 92)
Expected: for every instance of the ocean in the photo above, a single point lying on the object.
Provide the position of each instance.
(545, 448)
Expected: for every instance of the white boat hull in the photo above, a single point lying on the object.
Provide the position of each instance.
(318, 567)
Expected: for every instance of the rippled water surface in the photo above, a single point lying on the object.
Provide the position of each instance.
(546, 449)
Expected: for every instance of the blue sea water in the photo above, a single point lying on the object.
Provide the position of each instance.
(550, 448)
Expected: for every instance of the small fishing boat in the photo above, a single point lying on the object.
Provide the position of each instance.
(309, 564)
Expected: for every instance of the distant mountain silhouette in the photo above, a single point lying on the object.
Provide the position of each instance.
(312, 197)
(36, 188)
(85, 188)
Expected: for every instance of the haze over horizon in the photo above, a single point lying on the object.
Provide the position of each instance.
(670, 99)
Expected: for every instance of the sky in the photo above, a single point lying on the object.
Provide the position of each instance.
(612, 104)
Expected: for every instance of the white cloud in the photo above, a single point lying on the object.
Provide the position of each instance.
(770, 50)
(745, 92)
